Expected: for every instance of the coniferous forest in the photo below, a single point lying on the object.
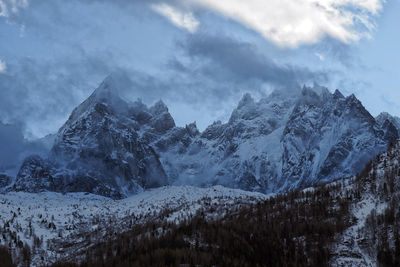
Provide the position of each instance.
(299, 228)
(287, 230)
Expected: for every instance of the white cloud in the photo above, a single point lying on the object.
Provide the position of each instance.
(9, 7)
(185, 20)
(320, 56)
(294, 22)
(3, 66)
(284, 22)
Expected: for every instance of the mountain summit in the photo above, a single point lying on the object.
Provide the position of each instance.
(116, 148)
(282, 142)
(99, 149)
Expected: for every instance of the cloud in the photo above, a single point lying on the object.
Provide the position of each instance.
(9, 7)
(287, 23)
(184, 20)
(214, 71)
(335, 51)
(39, 95)
(11, 143)
(233, 61)
(15, 148)
(204, 78)
(320, 56)
(293, 22)
(207, 79)
(3, 66)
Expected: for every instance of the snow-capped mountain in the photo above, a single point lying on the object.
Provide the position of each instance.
(99, 149)
(282, 142)
(287, 140)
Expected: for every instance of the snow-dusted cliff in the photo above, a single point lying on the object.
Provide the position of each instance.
(287, 140)
(282, 142)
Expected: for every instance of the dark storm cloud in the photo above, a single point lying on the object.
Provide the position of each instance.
(11, 144)
(14, 148)
(224, 59)
(204, 71)
(43, 93)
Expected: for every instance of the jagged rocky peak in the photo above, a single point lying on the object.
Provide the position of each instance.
(279, 101)
(328, 137)
(100, 149)
(318, 89)
(319, 96)
(289, 139)
(162, 120)
(385, 117)
(159, 108)
(139, 112)
(323, 94)
(316, 95)
(105, 99)
(107, 91)
(354, 102)
(192, 129)
(338, 95)
(254, 118)
(355, 108)
(213, 131)
(246, 109)
(114, 85)
(390, 125)
(247, 100)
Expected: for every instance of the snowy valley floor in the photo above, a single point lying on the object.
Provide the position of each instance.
(56, 225)
(328, 224)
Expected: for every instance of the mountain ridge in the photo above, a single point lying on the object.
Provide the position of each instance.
(115, 148)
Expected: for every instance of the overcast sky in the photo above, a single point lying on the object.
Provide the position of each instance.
(199, 56)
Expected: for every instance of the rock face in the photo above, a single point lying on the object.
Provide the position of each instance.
(99, 150)
(287, 140)
(385, 119)
(39, 175)
(282, 142)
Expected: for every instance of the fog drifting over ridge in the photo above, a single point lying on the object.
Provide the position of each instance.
(58, 52)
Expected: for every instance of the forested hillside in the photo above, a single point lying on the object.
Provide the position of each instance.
(295, 229)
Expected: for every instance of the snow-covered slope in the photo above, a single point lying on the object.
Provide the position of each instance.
(282, 142)
(287, 140)
(57, 225)
(376, 211)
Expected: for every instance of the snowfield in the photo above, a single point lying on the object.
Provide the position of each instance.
(56, 225)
